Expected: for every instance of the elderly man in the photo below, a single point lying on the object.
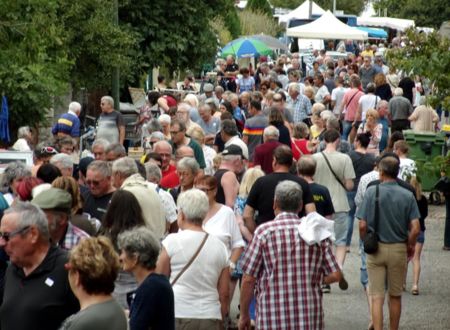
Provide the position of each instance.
(209, 124)
(260, 198)
(264, 152)
(37, 293)
(298, 103)
(68, 124)
(110, 124)
(164, 150)
(99, 149)
(398, 228)
(286, 270)
(126, 176)
(57, 206)
(424, 117)
(183, 115)
(64, 162)
(172, 180)
(115, 151)
(100, 189)
(400, 108)
(179, 139)
(230, 167)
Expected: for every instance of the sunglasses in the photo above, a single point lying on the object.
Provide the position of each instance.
(7, 236)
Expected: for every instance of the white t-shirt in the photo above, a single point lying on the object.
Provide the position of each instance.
(321, 93)
(223, 225)
(195, 292)
(407, 168)
(368, 101)
(337, 95)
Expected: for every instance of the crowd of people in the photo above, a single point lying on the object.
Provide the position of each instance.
(233, 182)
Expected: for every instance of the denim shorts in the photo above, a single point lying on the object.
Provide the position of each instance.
(340, 228)
(421, 237)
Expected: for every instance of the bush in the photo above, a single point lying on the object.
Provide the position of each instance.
(257, 23)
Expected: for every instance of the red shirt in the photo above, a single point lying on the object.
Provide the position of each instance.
(264, 155)
(169, 177)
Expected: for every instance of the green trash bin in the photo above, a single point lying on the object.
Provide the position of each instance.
(424, 147)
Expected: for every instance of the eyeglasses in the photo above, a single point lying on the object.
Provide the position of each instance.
(7, 236)
(92, 182)
(48, 150)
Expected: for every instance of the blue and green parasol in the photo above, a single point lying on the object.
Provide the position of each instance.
(244, 47)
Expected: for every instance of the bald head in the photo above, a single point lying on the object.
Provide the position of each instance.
(184, 151)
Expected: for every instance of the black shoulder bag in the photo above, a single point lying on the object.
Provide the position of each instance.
(331, 169)
(371, 239)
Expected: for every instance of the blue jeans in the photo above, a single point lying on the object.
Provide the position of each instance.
(364, 277)
(351, 215)
(346, 128)
(385, 134)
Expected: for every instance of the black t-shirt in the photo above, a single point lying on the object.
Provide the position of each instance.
(153, 306)
(220, 195)
(263, 192)
(41, 300)
(322, 199)
(407, 84)
(362, 164)
(96, 206)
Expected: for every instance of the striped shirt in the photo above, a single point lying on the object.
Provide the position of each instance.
(289, 275)
(301, 107)
(254, 129)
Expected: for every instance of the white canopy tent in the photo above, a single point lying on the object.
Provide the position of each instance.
(389, 22)
(301, 12)
(327, 26)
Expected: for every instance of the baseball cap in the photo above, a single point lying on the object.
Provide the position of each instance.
(233, 150)
(53, 199)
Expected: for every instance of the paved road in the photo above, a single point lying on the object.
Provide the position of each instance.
(347, 310)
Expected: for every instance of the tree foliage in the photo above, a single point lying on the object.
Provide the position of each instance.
(262, 6)
(258, 22)
(350, 7)
(429, 13)
(218, 26)
(426, 55)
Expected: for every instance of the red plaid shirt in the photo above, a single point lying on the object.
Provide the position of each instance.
(289, 275)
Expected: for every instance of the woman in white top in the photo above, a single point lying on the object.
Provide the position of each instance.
(220, 222)
(202, 291)
(24, 139)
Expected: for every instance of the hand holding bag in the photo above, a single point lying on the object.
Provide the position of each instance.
(370, 241)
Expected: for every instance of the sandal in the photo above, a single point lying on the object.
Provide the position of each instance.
(415, 291)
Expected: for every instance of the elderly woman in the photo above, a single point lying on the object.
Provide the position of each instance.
(300, 144)
(93, 266)
(14, 173)
(164, 121)
(198, 266)
(424, 117)
(375, 129)
(153, 303)
(23, 139)
(187, 170)
(220, 221)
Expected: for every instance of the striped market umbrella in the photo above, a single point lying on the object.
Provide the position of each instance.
(246, 47)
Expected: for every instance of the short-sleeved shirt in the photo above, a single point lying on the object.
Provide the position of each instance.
(210, 128)
(254, 129)
(153, 305)
(107, 315)
(245, 84)
(337, 95)
(68, 124)
(108, 126)
(96, 206)
(289, 275)
(263, 155)
(350, 103)
(397, 208)
(262, 194)
(362, 164)
(322, 199)
(321, 93)
(343, 167)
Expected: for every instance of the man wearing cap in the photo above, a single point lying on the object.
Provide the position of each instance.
(208, 92)
(264, 152)
(37, 293)
(69, 123)
(57, 204)
(232, 164)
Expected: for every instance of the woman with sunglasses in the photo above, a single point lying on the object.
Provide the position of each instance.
(93, 267)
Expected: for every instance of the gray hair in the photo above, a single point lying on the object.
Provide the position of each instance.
(294, 87)
(194, 205)
(423, 100)
(188, 163)
(288, 196)
(382, 103)
(31, 215)
(23, 131)
(101, 143)
(101, 166)
(164, 118)
(398, 91)
(140, 242)
(157, 135)
(153, 172)
(64, 160)
(125, 166)
(75, 107)
(14, 170)
(153, 126)
(108, 99)
(117, 149)
(272, 131)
